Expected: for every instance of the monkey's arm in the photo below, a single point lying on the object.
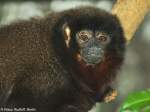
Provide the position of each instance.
(4, 95)
(7, 77)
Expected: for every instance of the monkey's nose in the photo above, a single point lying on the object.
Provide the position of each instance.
(94, 51)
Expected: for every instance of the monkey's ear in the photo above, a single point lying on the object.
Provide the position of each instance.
(67, 34)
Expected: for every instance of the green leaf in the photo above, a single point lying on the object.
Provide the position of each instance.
(137, 102)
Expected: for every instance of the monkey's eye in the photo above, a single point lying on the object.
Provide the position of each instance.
(103, 38)
(84, 36)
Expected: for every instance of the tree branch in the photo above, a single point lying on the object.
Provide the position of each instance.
(131, 13)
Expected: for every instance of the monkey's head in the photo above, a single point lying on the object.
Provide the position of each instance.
(90, 34)
(91, 44)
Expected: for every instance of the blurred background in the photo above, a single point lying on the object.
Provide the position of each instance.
(135, 73)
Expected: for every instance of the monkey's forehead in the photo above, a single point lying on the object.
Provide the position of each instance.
(94, 24)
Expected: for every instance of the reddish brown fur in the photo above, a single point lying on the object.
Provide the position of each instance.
(99, 75)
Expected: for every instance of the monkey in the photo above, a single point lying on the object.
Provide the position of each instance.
(64, 62)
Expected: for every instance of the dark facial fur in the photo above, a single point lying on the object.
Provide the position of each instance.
(38, 69)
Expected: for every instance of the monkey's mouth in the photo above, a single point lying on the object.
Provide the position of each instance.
(92, 60)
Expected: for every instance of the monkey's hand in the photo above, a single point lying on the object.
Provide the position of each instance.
(70, 108)
(110, 95)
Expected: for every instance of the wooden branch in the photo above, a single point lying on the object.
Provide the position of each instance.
(131, 13)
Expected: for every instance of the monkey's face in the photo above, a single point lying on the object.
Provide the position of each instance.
(87, 44)
(93, 39)
(92, 45)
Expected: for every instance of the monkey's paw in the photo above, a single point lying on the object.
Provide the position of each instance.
(110, 96)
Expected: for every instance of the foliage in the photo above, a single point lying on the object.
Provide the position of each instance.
(137, 102)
